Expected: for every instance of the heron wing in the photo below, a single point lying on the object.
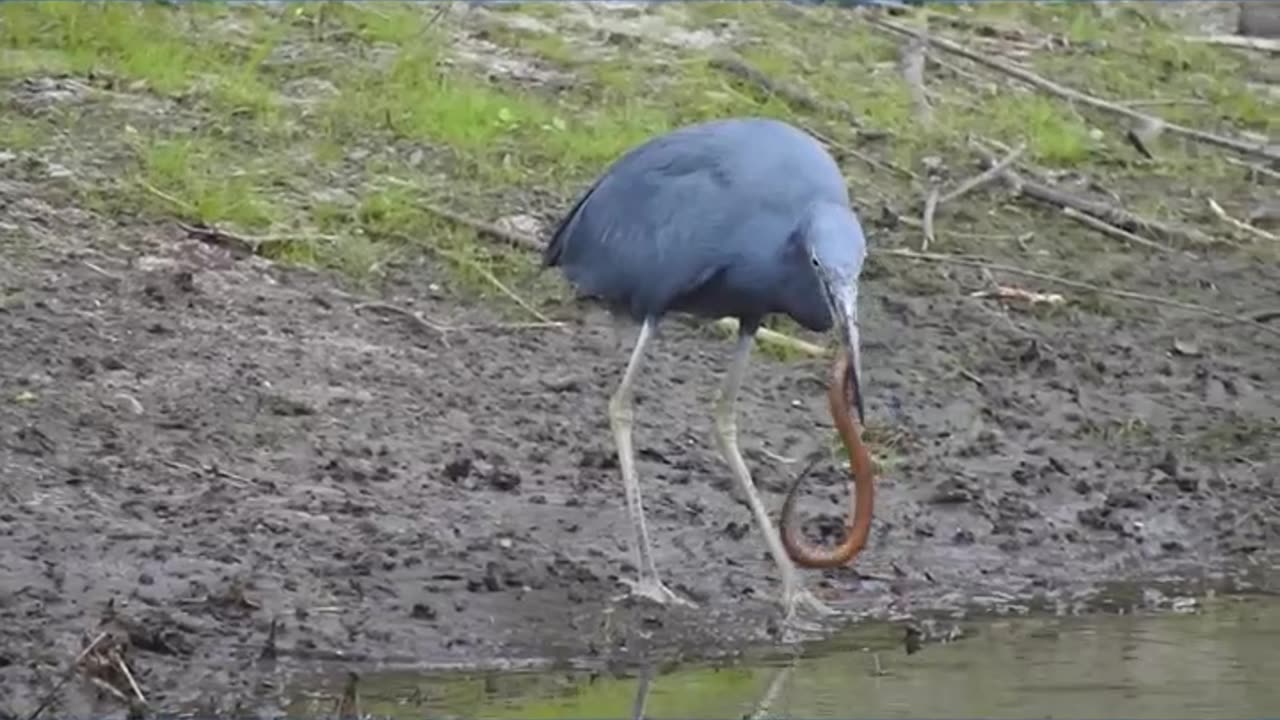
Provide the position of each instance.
(654, 228)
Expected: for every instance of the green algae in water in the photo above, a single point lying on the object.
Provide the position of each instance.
(1217, 662)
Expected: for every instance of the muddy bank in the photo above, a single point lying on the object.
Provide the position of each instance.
(204, 444)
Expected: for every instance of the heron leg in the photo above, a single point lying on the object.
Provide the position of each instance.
(794, 595)
(621, 417)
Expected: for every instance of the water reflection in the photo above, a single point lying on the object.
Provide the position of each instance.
(1215, 663)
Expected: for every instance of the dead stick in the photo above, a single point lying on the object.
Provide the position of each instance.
(493, 231)
(493, 280)
(421, 320)
(66, 676)
(1110, 214)
(417, 318)
(774, 337)
(1113, 231)
(1223, 216)
(1237, 41)
(992, 173)
(109, 689)
(1068, 93)
(124, 668)
(1254, 169)
(913, 59)
(838, 147)
(1078, 284)
(930, 207)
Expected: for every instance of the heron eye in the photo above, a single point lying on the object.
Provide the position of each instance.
(813, 260)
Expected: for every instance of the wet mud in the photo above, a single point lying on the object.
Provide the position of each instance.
(201, 446)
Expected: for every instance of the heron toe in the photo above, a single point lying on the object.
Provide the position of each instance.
(653, 590)
(802, 610)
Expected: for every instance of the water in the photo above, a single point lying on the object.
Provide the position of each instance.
(1222, 661)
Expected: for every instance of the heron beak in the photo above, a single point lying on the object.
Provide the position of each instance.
(844, 302)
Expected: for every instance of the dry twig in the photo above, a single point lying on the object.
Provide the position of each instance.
(124, 669)
(210, 469)
(1113, 231)
(774, 337)
(838, 148)
(988, 175)
(1255, 168)
(1240, 224)
(417, 318)
(67, 675)
(493, 280)
(423, 322)
(481, 227)
(930, 207)
(1271, 45)
(912, 62)
(1100, 211)
(1068, 93)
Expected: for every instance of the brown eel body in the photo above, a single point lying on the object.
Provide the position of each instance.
(862, 495)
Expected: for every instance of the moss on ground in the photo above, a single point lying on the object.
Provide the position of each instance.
(329, 125)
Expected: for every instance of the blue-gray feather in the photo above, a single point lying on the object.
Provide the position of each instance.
(709, 219)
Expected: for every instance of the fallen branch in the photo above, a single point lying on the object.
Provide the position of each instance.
(248, 244)
(912, 61)
(215, 235)
(1254, 168)
(773, 337)
(1068, 93)
(1078, 284)
(416, 318)
(481, 227)
(421, 321)
(1240, 224)
(1237, 41)
(124, 668)
(1113, 231)
(67, 675)
(493, 280)
(210, 469)
(837, 148)
(1154, 102)
(990, 174)
(1006, 292)
(930, 207)
(1101, 211)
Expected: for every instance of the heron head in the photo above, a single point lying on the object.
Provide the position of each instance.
(837, 248)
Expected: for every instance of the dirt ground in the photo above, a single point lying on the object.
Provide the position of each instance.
(214, 456)
(198, 444)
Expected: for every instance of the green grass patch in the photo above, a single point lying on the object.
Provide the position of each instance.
(19, 133)
(193, 171)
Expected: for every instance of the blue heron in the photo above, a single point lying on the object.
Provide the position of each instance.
(742, 218)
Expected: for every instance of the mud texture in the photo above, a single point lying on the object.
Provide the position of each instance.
(200, 444)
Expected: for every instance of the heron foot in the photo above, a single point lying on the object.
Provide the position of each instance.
(803, 613)
(653, 590)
